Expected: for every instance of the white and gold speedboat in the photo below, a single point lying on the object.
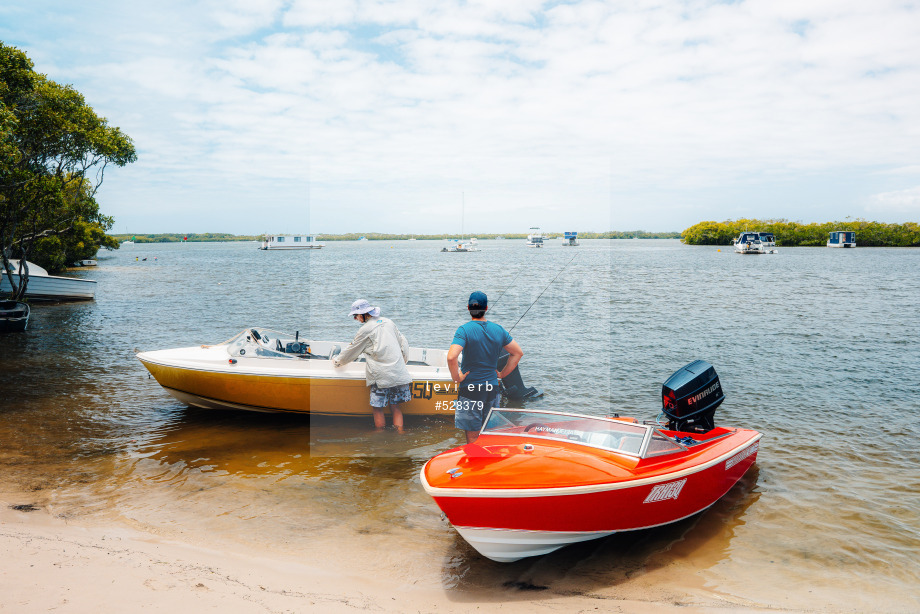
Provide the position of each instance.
(265, 370)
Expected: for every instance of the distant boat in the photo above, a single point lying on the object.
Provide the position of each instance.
(43, 286)
(411, 239)
(85, 263)
(362, 238)
(499, 238)
(748, 243)
(14, 316)
(275, 242)
(535, 238)
(842, 238)
(570, 239)
(462, 244)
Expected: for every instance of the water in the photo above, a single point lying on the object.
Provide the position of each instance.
(815, 347)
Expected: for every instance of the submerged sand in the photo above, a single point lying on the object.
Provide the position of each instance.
(51, 564)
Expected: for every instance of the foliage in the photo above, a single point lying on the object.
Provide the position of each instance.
(171, 237)
(53, 155)
(790, 234)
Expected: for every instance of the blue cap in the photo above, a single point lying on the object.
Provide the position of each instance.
(478, 300)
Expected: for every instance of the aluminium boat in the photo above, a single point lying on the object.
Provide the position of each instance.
(535, 481)
(14, 316)
(265, 370)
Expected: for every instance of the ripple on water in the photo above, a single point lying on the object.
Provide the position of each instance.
(813, 347)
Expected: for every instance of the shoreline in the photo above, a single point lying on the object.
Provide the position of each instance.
(53, 564)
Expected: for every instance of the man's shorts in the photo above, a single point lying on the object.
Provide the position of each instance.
(381, 397)
(472, 406)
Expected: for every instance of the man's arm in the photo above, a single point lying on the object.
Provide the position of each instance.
(403, 345)
(453, 354)
(353, 350)
(515, 352)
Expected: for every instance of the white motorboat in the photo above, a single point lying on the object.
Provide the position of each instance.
(842, 238)
(45, 287)
(535, 238)
(273, 242)
(265, 370)
(748, 243)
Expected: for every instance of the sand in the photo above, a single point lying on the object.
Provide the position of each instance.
(52, 565)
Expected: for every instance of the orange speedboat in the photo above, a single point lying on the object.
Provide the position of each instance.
(535, 481)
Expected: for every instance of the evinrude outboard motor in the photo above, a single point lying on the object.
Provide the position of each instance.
(690, 398)
(513, 384)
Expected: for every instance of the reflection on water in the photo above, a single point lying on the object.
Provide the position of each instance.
(814, 348)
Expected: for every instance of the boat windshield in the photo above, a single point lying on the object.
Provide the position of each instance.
(605, 433)
(260, 342)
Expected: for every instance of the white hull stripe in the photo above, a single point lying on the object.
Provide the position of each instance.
(326, 375)
(511, 493)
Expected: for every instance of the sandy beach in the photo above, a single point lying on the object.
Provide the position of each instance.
(50, 564)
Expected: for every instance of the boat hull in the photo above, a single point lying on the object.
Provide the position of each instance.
(509, 524)
(273, 248)
(54, 288)
(14, 316)
(298, 388)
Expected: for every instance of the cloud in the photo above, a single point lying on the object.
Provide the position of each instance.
(902, 201)
(665, 104)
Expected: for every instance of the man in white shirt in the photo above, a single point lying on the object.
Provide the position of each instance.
(386, 353)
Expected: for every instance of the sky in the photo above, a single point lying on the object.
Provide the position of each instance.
(412, 116)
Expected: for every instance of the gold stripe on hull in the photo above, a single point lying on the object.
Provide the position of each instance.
(324, 396)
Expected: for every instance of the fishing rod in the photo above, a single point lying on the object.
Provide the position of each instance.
(544, 290)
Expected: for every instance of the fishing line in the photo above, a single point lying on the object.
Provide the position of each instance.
(508, 287)
(544, 290)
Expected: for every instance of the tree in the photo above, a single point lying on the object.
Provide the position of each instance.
(53, 155)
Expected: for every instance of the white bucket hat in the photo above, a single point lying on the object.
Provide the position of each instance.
(362, 306)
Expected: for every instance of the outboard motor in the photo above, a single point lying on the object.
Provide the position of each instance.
(690, 398)
(513, 385)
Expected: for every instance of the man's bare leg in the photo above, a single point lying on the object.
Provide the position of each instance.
(397, 418)
(380, 420)
(471, 436)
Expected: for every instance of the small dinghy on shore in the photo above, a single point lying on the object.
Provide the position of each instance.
(14, 316)
(535, 481)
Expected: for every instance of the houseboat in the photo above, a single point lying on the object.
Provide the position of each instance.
(290, 242)
(842, 238)
(535, 238)
(570, 239)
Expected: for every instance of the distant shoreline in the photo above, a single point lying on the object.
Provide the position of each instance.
(798, 234)
(371, 236)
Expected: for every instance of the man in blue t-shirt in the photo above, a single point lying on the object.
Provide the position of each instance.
(481, 343)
